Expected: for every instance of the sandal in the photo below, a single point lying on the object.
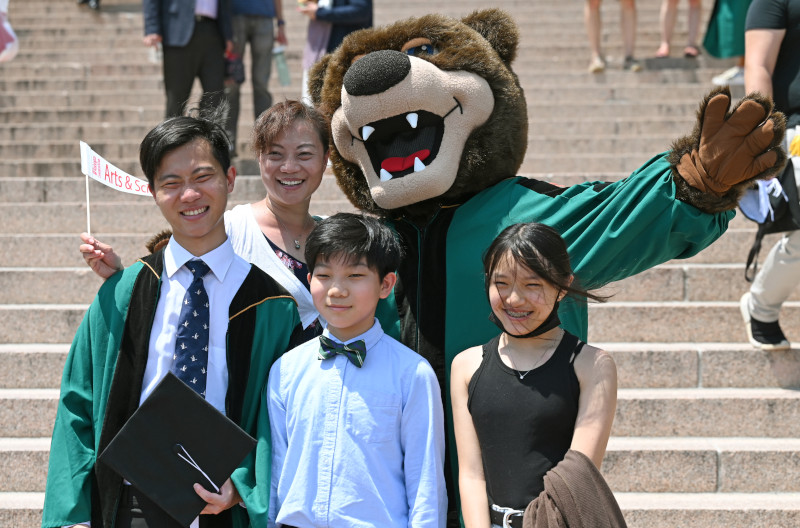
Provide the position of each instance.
(691, 52)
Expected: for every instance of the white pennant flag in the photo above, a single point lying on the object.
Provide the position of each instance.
(97, 168)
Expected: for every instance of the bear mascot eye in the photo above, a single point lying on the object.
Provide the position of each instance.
(423, 50)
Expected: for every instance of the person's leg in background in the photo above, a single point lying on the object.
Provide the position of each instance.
(692, 48)
(178, 78)
(210, 59)
(779, 276)
(628, 23)
(262, 38)
(593, 22)
(667, 16)
(233, 89)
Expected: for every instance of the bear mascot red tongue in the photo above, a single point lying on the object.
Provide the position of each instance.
(429, 128)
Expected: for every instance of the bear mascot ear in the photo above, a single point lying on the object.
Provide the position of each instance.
(496, 27)
(316, 79)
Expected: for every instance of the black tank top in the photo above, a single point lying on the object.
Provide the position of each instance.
(524, 426)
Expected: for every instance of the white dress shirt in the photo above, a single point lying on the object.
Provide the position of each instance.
(206, 8)
(227, 274)
(356, 447)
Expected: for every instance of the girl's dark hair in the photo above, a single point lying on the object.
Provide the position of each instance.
(280, 116)
(352, 236)
(539, 248)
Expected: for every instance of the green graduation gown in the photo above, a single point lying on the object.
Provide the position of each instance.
(102, 382)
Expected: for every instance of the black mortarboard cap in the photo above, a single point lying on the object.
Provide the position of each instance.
(174, 439)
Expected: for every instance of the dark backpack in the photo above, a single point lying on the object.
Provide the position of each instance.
(786, 218)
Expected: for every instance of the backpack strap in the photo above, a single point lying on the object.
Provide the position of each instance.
(752, 256)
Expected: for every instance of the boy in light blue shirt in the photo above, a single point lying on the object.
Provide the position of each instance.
(356, 417)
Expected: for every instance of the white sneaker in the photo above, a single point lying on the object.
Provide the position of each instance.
(731, 76)
(598, 65)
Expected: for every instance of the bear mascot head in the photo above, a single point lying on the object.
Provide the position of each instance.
(424, 112)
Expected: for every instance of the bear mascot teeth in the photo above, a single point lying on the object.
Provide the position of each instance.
(429, 129)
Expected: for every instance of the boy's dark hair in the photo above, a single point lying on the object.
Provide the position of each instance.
(280, 116)
(539, 248)
(178, 131)
(350, 237)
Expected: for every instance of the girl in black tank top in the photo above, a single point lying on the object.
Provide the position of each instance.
(532, 393)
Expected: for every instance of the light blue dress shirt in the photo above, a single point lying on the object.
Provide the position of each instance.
(356, 447)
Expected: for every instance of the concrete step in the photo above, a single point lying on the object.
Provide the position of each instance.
(678, 281)
(671, 322)
(641, 510)
(651, 365)
(587, 92)
(733, 246)
(703, 365)
(23, 464)
(759, 412)
(701, 510)
(33, 366)
(529, 79)
(62, 250)
(689, 412)
(27, 413)
(20, 509)
(702, 465)
(643, 465)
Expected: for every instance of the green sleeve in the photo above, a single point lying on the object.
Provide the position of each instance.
(72, 450)
(612, 231)
(276, 321)
(85, 383)
(617, 230)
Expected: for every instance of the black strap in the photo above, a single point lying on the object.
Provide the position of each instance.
(752, 256)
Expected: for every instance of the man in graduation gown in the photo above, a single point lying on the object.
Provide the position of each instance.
(127, 342)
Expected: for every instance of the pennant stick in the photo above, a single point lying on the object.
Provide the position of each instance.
(88, 216)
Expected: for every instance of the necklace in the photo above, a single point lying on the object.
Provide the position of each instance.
(296, 239)
(546, 351)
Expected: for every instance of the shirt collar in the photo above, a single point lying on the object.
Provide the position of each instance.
(370, 337)
(218, 259)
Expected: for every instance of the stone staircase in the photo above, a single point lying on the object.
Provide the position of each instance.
(707, 428)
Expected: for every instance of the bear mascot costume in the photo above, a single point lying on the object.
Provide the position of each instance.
(429, 129)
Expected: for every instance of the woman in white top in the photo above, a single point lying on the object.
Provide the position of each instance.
(290, 141)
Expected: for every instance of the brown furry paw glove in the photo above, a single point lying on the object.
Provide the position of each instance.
(728, 150)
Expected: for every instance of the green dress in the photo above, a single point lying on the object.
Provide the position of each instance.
(725, 33)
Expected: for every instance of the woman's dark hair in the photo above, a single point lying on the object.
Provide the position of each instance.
(351, 236)
(539, 248)
(280, 116)
(178, 131)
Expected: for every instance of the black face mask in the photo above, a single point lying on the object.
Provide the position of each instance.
(548, 324)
